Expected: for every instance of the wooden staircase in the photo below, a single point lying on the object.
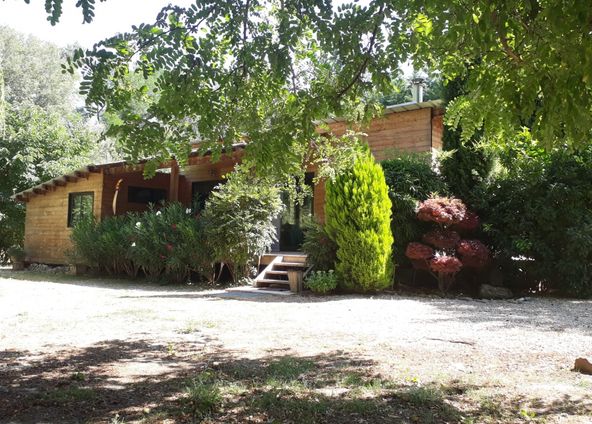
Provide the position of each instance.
(275, 274)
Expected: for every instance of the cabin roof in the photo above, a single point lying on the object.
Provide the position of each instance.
(401, 107)
(83, 172)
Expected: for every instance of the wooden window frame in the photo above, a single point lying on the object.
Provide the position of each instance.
(71, 197)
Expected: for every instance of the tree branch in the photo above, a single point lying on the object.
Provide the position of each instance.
(367, 55)
(245, 23)
(504, 41)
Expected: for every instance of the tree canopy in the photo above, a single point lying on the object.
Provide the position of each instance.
(42, 134)
(265, 70)
(54, 9)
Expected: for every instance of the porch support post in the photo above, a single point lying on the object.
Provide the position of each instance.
(174, 182)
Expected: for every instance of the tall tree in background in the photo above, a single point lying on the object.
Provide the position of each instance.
(463, 164)
(43, 135)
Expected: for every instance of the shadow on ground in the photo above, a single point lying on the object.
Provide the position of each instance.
(143, 381)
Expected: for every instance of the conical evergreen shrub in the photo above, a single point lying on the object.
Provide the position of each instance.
(358, 219)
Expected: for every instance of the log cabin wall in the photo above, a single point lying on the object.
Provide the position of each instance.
(437, 131)
(47, 236)
(411, 131)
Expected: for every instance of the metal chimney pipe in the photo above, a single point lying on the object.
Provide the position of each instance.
(417, 85)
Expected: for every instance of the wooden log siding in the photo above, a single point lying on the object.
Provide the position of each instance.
(47, 236)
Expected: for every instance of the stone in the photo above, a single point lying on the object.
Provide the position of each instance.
(487, 291)
(583, 366)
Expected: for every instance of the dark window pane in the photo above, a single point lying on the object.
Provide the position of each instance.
(80, 206)
(146, 195)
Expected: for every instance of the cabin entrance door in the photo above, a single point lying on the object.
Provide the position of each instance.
(293, 218)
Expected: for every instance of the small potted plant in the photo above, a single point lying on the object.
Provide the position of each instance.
(17, 257)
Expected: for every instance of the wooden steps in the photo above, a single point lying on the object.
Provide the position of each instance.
(291, 264)
(276, 272)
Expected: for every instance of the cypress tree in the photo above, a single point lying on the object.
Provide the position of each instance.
(358, 219)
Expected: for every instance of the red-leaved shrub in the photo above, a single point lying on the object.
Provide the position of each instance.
(445, 264)
(451, 253)
(419, 251)
(442, 239)
(443, 210)
(473, 253)
(470, 222)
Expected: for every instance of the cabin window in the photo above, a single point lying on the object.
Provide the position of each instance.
(80, 206)
(146, 195)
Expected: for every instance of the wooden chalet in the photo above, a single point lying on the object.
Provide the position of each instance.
(53, 206)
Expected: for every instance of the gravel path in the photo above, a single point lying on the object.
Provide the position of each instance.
(518, 349)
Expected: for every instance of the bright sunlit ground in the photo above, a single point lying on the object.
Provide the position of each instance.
(90, 350)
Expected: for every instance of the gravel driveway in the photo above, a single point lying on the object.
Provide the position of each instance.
(517, 354)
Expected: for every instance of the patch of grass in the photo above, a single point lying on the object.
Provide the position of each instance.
(78, 376)
(420, 395)
(202, 395)
(287, 369)
(489, 407)
(364, 383)
(284, 405)
(196, 326)
(352, 380)
(68, 395)
(233, 388)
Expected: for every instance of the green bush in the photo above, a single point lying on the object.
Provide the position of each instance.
(321, 282)
(112, 245)
(238, 221)
(540, 209)
(104, 245)
(84, 237)
(12, 225)
(170, 243)
(16, 253)
(358, 219)
(167, 243)
(320, 249)
(410, 179)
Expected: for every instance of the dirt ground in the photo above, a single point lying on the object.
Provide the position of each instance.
(77, 349)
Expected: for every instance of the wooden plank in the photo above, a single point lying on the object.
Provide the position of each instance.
(291, 264)
(174, 182)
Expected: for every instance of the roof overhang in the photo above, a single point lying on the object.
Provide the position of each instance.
(402, 107)
(74, 176)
